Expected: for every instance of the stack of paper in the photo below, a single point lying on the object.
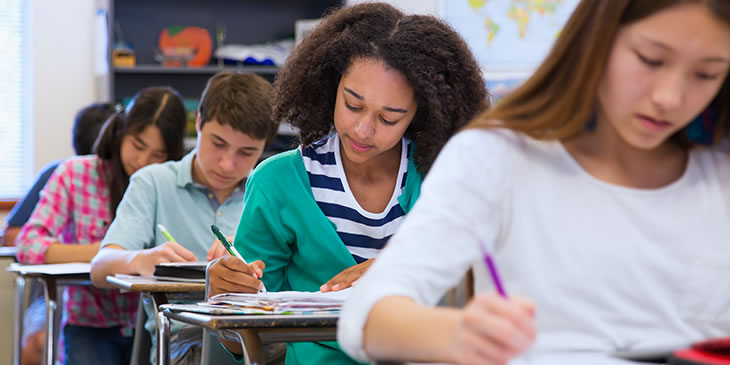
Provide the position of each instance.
(281, 302)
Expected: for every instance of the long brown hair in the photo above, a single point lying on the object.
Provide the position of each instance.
(161, 107)
(560, 99)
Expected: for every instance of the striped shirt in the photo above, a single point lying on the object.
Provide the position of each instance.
(74, 208)
(363, 233)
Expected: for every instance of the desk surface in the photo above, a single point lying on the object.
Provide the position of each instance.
(151, 285)
(71, 271)
(251, 321)
(8, 251)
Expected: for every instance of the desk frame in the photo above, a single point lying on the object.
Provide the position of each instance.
(252, 330)
(159, 292)
(54, 309)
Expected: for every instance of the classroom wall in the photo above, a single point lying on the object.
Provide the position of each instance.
(430, 7)
(62, 73)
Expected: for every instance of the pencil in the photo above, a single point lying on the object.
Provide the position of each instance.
(165, 233)
(495, 276)
(232, 250)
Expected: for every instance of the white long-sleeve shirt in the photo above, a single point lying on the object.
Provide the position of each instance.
(609, 268)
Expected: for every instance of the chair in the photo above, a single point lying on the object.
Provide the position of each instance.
(142, 342)
(213, 352)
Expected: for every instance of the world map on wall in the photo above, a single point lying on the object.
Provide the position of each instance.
(508, 34)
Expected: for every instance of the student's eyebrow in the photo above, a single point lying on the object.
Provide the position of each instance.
(354, 94)
(218, 138)
(244, 148)
(250, 148)
(140, 141)
(668, 48)
(386, 108)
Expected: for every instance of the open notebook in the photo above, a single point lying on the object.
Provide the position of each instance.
(286, 302)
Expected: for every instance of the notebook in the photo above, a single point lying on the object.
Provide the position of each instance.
(181, 270)
(286, 302)
(710, 352)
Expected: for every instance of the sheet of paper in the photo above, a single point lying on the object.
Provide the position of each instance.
(185, 264)
(157, 278)
(51, 269)
(284, 302)
(576, 358)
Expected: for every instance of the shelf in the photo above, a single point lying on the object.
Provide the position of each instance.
(206, 70)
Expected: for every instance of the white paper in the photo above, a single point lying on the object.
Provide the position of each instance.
(51, 269)
(286, 301)
(184, 264)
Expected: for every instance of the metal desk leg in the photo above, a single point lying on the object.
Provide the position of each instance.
(49, 290)
(159, 299)
(18, 321)
(163, 339)
(250, 344)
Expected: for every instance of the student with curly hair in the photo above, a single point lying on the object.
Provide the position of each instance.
(375, 94)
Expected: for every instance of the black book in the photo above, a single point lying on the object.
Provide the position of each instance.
(184, 270)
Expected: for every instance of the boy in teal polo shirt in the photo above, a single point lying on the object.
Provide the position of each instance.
(206, 187)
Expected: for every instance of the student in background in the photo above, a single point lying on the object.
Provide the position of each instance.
(86, 127)
(375, 94)
(206, 187)
(584, 187)
(76, 206)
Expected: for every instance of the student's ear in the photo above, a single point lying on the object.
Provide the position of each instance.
(197, 123)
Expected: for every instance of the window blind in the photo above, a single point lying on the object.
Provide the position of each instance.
(16, 160)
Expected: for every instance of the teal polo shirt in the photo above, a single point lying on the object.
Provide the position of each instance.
(166, 194)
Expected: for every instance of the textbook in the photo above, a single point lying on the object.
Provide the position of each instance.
(710, 352)
(181, 270)
(286, 302)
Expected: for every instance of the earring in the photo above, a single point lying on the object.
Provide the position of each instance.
(591, 125)
(702, 129)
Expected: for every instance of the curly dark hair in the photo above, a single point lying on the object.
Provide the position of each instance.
(437, 63)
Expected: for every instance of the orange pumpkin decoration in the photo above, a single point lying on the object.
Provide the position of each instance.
(192, 43)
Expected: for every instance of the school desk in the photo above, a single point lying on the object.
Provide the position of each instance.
(51, 277)
(263, 328)
(159, 292)
(8, 252)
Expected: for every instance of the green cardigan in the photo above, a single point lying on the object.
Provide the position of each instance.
(283, 226)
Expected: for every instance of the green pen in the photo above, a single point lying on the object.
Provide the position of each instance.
(165, 233)
(232, 250)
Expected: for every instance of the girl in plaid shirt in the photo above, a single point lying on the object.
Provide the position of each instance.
(76, 206)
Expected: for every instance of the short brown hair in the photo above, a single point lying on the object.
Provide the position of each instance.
(241, 101)
(560, 99)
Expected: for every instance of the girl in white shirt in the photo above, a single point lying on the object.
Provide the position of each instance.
(589, 187)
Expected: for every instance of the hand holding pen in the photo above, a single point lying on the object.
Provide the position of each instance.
(492, 327)
(232, 250)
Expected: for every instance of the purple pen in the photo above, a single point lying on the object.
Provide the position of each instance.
(495, 276)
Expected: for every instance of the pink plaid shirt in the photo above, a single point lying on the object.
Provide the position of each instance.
(74, 208)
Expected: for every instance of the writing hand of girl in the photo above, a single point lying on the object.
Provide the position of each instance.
(231, 275)
(347, 277)
(493, 330)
